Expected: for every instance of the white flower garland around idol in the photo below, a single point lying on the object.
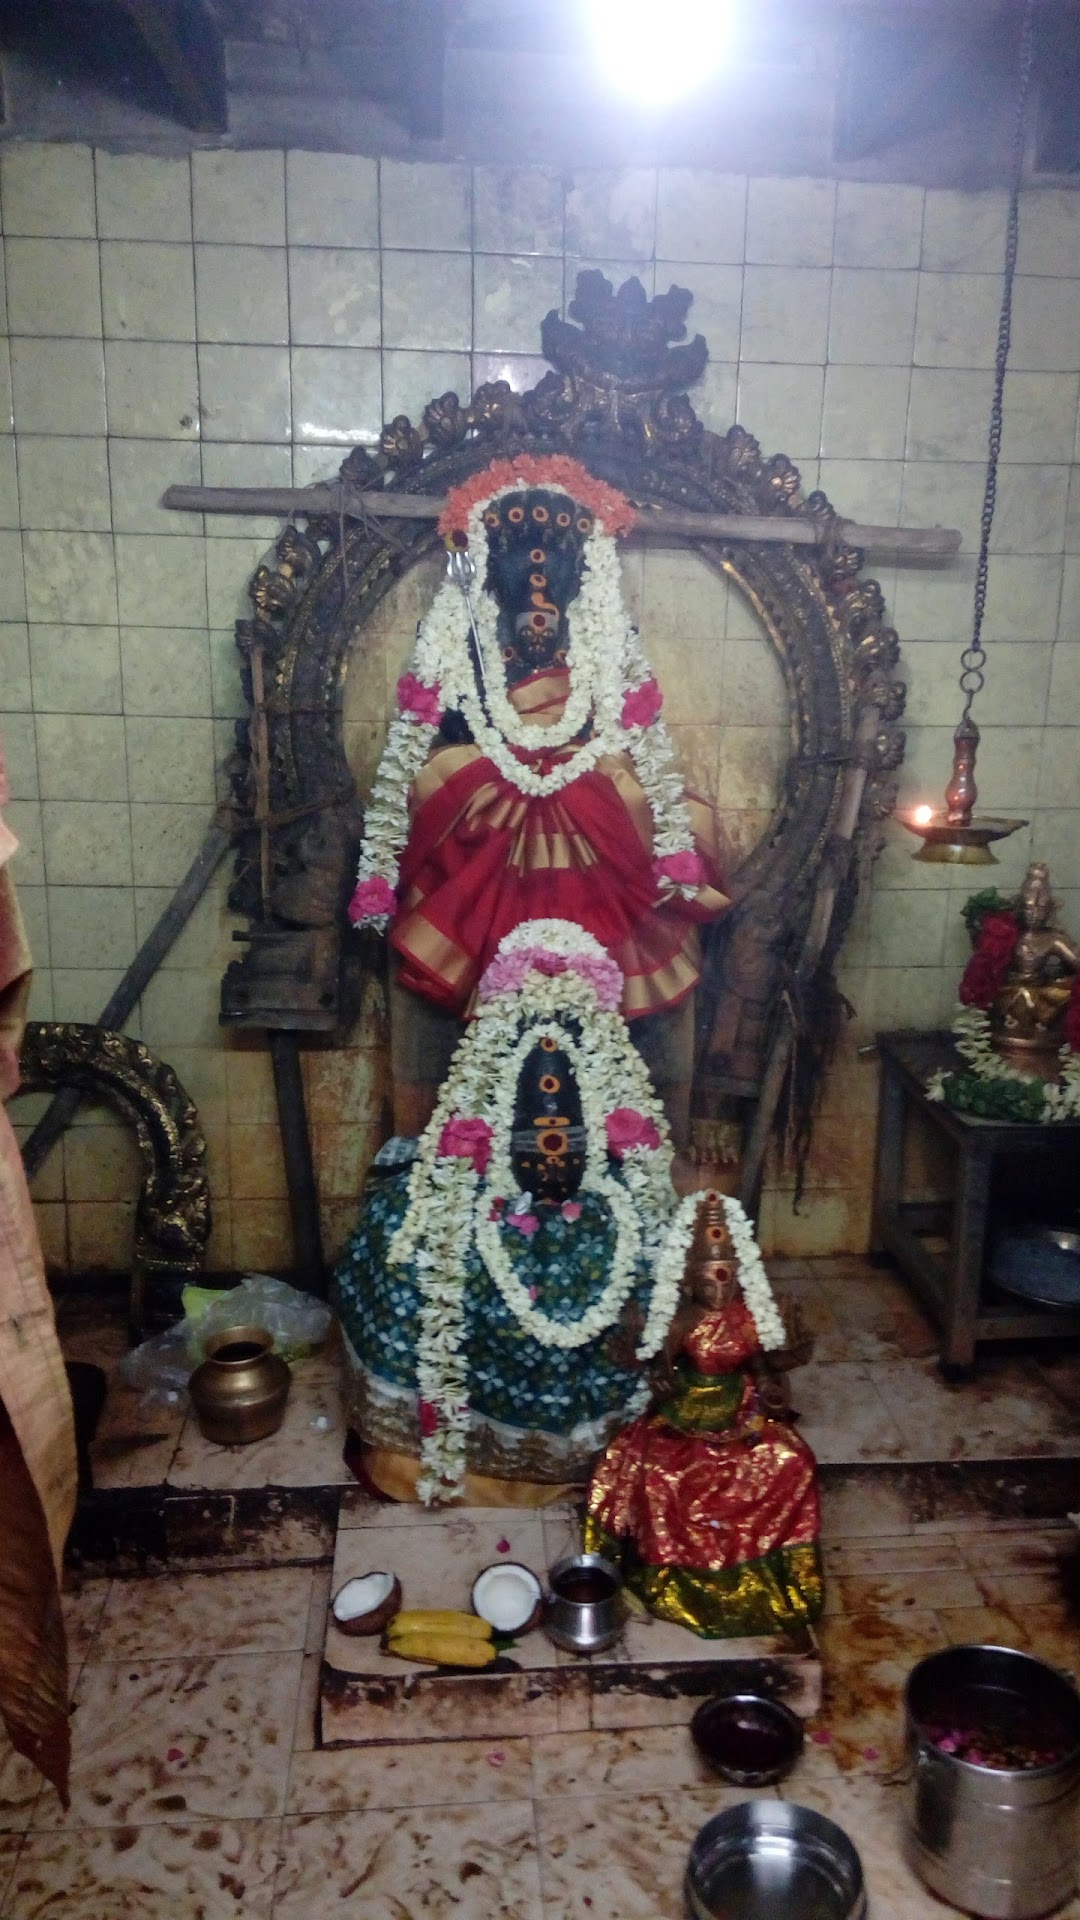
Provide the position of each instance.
(490, 1232)
(605, 663)
(752, 1278)
(974, 1038)
(449, 1202)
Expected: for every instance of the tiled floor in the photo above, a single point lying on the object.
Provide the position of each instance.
(872, 1391)
(198, 1787)
(198, 1790)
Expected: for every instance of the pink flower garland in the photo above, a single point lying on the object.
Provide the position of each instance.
(641, 705)
(627, 1128)
(686, 869)
(508, 972)
(371, 898)
(464, 1138)
(418, 701)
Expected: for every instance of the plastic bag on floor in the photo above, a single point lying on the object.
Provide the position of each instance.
(298, 1322)
(160, 1368)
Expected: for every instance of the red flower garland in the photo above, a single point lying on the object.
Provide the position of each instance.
(986, 971)
(611, 508)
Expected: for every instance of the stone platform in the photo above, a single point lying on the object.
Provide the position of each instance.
(654, 1676)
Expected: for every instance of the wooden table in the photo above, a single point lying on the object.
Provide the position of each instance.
(949, 1278)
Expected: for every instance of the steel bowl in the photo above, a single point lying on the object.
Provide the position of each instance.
(1040, 1264)
(747, 1738)
(584, 1610)
(769, 1860)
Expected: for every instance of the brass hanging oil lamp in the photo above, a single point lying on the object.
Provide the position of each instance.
(956, 833)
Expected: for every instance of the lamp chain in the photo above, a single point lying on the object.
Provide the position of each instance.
(973, 658)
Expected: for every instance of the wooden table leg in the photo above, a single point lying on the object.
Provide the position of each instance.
(889, 1168)
(966, 1257)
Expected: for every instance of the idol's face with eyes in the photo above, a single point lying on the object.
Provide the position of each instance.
(548, 1141)
(535, 557)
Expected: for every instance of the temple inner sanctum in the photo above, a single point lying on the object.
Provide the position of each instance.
(539, 960)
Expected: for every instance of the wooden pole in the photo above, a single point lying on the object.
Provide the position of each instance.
(817, 932)
(64, 1105)
(655, 523)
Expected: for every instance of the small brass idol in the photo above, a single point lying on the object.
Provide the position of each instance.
(1027, 1016)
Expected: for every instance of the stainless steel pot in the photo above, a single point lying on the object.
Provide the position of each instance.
(772, 1860)
(584, 1609)
(997, 1841)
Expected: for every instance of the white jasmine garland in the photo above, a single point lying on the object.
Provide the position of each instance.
(386, 819)
(750, 1268)
(604, 662)
(975, 1044)
(449, 1203)
(491, 1236)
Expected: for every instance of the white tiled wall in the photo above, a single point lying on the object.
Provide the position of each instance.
(245, 318)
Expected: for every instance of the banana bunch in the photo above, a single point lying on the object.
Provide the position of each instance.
(440, 1636)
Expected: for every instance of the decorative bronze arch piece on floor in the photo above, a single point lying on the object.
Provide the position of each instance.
(172, 1217)
(617, 401)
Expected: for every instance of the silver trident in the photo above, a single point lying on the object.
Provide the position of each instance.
(461, 568)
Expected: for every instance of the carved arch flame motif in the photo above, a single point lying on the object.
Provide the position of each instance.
(172, 1216)
(617, 401)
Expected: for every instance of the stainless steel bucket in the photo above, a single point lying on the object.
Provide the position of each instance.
(997, 1841)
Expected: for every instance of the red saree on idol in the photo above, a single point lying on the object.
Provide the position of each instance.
(482, 857)
(710, 1509)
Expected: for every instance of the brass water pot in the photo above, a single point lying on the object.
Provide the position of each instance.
(239, 1391)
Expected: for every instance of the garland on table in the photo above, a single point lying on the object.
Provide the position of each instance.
(549, 977)
(992, 1090)
(753, 1280)
(613, 694)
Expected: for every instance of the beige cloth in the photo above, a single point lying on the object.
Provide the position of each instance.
(37, 1439)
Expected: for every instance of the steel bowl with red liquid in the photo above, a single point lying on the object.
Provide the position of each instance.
(747, 1738)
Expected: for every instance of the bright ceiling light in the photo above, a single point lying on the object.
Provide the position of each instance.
(658, 50)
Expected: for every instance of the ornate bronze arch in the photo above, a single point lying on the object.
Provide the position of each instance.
(172, 1217)
(616, 400)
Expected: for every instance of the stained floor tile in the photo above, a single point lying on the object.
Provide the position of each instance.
(449, 1863)
(867, 1658)
(632, 1760)
(436, 1774)
(10, 1848)
(878, 1317)
(83, 1607)
(622, 1854)
(1004, 1412)
(216, 1870)
(887, 1592)
(20, 1785)
(907, 1553)
(841, 1415)
(156, 1740)
(304, 1452)
(135, 1442)
(193, 1614)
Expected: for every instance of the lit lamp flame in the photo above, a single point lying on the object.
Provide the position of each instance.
(958, 836)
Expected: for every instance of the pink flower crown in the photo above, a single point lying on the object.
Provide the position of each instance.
(508, 972)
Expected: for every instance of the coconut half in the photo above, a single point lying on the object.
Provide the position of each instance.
(368, 1604)
(508, 1596)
